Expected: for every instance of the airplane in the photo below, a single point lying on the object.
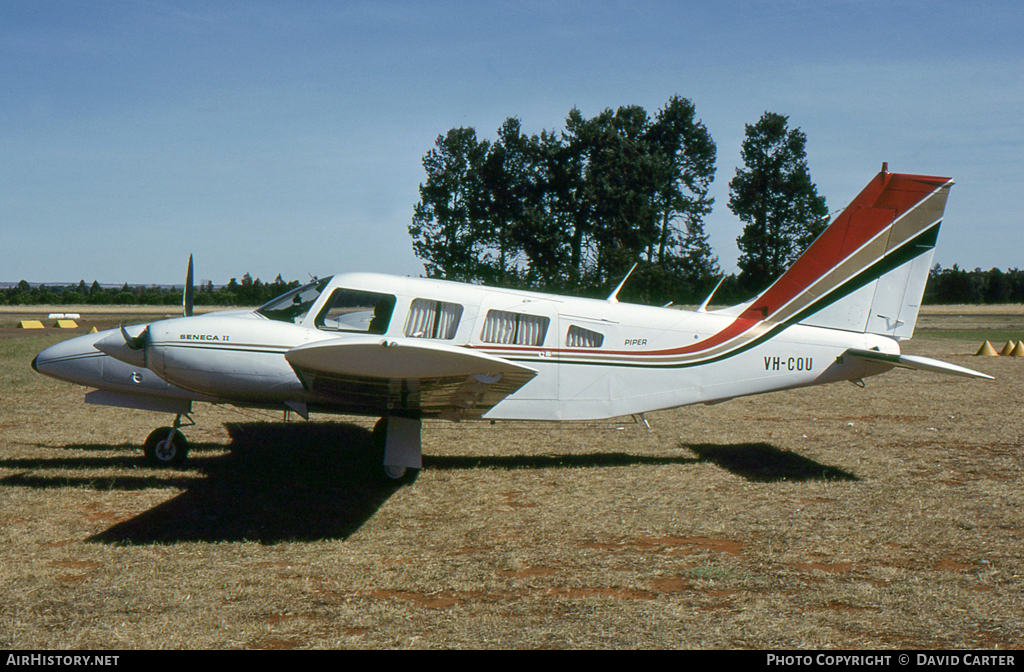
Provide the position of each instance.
(405, 349)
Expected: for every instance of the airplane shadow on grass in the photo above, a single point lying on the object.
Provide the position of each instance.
(303, 482)
(764, 463)
(280, 482)
(760, 462)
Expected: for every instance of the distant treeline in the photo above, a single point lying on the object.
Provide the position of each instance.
(248, 292)
(945, 286)
(955, 285)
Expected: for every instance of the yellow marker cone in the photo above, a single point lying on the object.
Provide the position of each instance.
(1007, 349)
(1019, 350)
(93, 330)
(986, 350)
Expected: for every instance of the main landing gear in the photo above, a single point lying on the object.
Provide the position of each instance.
(396, 450)
(167, 446)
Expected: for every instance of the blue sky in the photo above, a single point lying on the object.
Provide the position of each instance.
(287, 137)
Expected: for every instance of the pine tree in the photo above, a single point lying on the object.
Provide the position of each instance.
(776, 198)
(572, 211)
(448, 225)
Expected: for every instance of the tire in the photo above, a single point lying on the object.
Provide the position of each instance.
(383, 473)
(161, 453)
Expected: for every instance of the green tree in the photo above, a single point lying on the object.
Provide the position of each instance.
(558, 248)
(510, 193)
(997, 287)
(642, 197)
(572, 210)
(448, 225)
(619, 182)
(774, 195)
(685, 155)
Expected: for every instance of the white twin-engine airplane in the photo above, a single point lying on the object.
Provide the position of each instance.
(405, 349)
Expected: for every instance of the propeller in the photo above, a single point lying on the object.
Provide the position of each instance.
(189, 292)
(134, 342)
(124, 347)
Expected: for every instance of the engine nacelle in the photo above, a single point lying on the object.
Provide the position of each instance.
(232, 357)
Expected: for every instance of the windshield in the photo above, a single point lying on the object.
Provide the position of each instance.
(292, 306)
(356, 310)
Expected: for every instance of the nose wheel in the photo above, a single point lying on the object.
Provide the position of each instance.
(166, 446)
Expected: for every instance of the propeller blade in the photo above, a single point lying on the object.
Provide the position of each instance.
(136, 342)
(187, 296)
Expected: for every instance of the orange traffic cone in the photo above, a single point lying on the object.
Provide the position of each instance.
(986, 350)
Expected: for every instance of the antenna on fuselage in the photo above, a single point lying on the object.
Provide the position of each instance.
(613, 297)
(187, 296)
(704, 306)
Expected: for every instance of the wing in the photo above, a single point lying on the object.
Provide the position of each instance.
(915, 362)
(396, 376)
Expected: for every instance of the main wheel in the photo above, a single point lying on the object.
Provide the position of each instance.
(162, 449)
(388, 473)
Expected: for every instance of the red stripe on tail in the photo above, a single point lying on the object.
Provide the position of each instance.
(887, 197)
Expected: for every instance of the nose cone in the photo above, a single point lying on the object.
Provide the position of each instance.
(76, 360)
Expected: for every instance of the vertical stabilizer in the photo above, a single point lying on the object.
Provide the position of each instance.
(867, 271)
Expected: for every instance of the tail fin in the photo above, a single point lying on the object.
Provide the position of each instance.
(867, 271)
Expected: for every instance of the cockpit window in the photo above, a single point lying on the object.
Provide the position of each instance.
(356, 310)
(294, 305)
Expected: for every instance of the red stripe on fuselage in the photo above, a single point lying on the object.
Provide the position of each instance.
(735, 328)
(886, 198)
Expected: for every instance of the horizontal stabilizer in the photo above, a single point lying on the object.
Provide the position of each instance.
(407, 376)
(916, 362)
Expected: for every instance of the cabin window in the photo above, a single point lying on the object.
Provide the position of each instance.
(356, 310)
(514, 328)
(578, 337)
(294, 305)
(433, 319)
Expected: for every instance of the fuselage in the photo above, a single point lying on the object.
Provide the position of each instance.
(593, 358)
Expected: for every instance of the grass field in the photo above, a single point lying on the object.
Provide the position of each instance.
(884, 517)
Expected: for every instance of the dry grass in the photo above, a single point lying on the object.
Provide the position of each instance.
(89, 309)
(891, 516)
(994, 309)
(101, 317)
